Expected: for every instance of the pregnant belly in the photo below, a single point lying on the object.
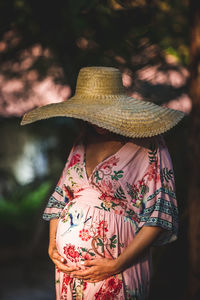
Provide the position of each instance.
(86, 230)
(79, 229)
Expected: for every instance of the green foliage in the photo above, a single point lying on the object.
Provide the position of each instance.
(113, 241)
(83, 33)
(101, 244)
(117, 175)
(89, 252)
(172, 19)
(22, 207)
(96, 175)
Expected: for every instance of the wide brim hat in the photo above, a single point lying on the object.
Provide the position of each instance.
(100, 99)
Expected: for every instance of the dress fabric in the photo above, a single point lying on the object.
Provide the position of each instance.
(100, 215)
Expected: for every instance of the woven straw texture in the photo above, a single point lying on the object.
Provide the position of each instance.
(101, 100)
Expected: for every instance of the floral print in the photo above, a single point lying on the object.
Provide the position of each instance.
(67, 194)
(100, 215)
(102, 227)
(66, 281)
(84, 234)
(71, 253)
(110, 289)
(74, 160)
(137, 192)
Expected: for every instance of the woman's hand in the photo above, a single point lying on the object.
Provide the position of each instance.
(97, 270)
(57, 259)
(60, 261)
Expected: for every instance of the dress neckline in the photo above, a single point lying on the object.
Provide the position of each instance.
(117, 153)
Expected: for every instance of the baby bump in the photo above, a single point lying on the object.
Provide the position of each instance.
(85, 232)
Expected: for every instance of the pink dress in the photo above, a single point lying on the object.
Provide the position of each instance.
(100, 215)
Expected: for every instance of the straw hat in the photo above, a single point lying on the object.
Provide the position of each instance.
(101, 100)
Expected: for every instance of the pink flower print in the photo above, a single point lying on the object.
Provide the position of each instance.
(84, 285)
(118, 212)
(84, 235)
(110, 162)
(71, 253)
(157, 177)
(153, 172)
(110, 201)
(106, 187)
(66, 280)
(75, 159)
(102, 227)
(108, 198)
(104, 197)
(140, 182)
(107, 170)
(110, 290)
(57, 269)
(86, 256)
(114, 285)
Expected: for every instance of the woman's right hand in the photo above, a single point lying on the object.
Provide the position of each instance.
(60, 261)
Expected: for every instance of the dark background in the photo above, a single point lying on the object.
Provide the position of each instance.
(43, 45)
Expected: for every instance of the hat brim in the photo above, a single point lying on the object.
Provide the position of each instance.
(124, 115)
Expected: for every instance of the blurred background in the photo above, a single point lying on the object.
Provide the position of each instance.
(43, 44)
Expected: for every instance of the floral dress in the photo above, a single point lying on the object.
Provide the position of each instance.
(100, 215)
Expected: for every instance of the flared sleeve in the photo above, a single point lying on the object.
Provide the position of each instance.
(159, 202)
(56, 202)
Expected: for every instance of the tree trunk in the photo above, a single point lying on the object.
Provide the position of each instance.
(194, 154)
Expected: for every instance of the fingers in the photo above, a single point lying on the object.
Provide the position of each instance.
(85, 277)
(83, 273)
(56, 255)
(64, 268)
(92, 262)
(94, 280)
(60, 262)
(96, 262)
(88, 263)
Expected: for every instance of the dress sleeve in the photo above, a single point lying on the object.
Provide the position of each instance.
(56, 202)
(159, 203)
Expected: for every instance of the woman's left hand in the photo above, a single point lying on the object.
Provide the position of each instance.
(97, 270)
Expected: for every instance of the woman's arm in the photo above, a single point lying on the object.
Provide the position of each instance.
(57, 259)
(141, 242)
(52, 232)
(100, 269)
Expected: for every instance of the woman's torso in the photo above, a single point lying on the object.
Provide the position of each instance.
(100, 219)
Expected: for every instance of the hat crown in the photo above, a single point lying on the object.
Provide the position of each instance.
(99, 82)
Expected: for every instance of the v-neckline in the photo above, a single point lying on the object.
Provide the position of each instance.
(103, 161)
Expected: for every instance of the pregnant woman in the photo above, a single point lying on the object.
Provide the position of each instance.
(116, 195)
